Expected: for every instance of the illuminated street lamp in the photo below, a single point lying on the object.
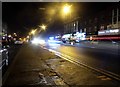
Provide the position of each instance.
(67, 9)
(24, 39)
(31, 34)
(33, 31)
(43, 27)
(66, 12)
(28, 37)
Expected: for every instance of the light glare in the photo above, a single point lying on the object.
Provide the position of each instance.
(38, 41)
(66, 9)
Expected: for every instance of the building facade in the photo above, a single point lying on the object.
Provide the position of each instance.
(92, 25)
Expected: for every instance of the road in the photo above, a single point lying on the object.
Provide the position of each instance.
(34, 66)
(104, 58)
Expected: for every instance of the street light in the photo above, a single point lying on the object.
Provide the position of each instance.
(33, 31)
(43, 27)
(28, 36)
(66, 12)
(67, 9)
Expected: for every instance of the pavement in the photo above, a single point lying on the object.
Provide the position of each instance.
(34, 66)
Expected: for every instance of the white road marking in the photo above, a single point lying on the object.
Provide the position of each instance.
(70, 59)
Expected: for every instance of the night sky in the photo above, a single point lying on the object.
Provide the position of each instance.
(22, 16)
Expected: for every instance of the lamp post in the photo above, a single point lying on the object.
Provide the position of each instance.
(42, 27)
(67, 14)
(67, 11)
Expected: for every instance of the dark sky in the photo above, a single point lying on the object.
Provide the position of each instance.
(22, 16)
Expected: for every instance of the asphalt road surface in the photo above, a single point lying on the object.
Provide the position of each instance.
(105, 58)
(36, 67)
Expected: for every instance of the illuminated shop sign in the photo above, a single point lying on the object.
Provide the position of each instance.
(109, 32)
